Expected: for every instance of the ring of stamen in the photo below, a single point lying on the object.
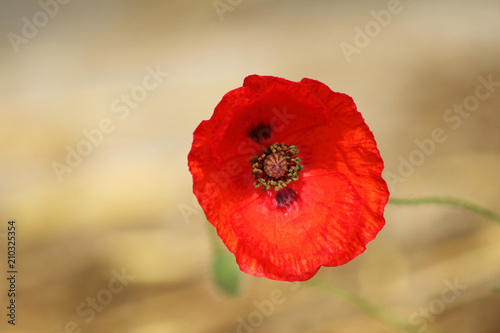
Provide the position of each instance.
(276, 167)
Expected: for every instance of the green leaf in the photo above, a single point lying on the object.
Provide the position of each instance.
(226, 273)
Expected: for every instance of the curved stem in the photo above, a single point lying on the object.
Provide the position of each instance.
(355, 299)
(448, 201)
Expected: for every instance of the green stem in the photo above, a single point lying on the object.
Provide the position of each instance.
(448, 201)
(355, 299)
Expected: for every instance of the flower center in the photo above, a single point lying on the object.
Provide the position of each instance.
(276, 167)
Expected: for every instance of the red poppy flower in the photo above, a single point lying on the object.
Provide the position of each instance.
(290, 176)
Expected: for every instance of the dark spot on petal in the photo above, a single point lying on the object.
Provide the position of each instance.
(259, 131)
(285, 198)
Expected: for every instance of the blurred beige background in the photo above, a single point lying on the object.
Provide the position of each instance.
(126, 208)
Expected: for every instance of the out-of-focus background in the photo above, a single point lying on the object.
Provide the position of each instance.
(98, 102)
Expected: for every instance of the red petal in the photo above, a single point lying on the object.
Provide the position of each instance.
(292, 244)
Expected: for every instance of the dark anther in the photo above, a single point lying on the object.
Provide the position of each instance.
(285, 198)
(259, 131)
